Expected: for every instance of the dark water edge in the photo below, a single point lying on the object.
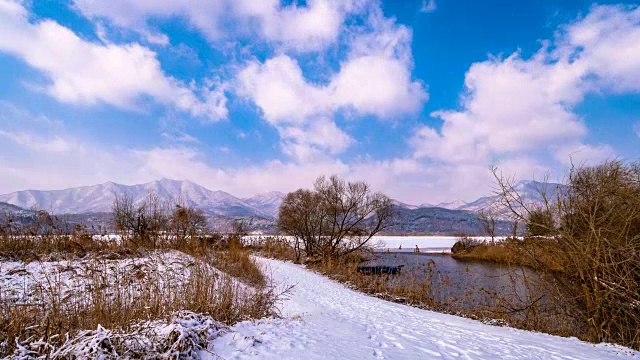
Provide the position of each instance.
(464, 284)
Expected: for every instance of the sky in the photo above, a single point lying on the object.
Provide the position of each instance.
(419, 98)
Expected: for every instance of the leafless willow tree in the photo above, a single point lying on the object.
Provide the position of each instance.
(187, 222)
(142, 222)
(593, 227)
(335, 218)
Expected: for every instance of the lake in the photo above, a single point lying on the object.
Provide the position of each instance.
(463, 284)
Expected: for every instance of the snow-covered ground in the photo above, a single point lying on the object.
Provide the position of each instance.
(36, 281)
(325, 320)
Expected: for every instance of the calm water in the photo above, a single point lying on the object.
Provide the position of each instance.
(464, 283)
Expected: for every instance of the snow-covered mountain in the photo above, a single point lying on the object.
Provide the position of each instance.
(403, 205)
(530, 191)
(451, 205)
(268, 203)
(99, 198)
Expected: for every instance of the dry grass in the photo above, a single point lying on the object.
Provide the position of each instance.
(234, 259)
(274, 247)
(124, 298)
(415, 289)
(26, 247)
(120, 299)
(517, 252)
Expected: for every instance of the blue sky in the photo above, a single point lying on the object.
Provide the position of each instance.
(419, 98)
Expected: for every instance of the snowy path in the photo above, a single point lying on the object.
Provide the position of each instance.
(325, 320)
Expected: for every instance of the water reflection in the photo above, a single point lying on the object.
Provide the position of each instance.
(463, 284)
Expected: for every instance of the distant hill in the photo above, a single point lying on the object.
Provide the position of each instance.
(92, 204)
(6, 207)
(19, 215)
(451, 205)
(440, 221)
(268, 203)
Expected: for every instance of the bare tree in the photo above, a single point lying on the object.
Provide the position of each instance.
(187, 222)
(488, 220)
(594, 230)
(334, 219)
(141, 223)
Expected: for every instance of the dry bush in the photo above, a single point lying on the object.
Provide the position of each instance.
(233, 258)
(594, 237)
(141, 224)
(275, 247)
(465, 243)
(121, 299)
(510, 251)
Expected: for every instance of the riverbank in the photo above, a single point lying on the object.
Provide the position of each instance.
(529, 252)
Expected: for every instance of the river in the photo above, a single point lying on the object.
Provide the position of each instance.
(464, 284)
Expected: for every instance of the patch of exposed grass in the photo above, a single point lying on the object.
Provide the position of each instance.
(530, 252)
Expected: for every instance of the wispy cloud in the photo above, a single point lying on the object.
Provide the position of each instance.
(428, 6)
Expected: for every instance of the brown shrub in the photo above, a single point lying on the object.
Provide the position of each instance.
(596, 243)
(123, 301)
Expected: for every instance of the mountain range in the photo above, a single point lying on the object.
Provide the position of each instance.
(99, 198)
(261, 209)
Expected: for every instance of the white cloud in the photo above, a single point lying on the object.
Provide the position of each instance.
(374, 79)
(428, 6)
(82, 72)
(607, 43)
(377, 85)
(636, 129)
(510, 105)
(520, 112)
(279, 89)
(372, 85)
(303, 28)
(321, 136)
(581, 154)
(55, 144)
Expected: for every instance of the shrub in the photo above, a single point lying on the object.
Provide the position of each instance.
(597, 244)
(465, 243)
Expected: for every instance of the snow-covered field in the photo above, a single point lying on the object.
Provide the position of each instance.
(325, 320)
(37, 281)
